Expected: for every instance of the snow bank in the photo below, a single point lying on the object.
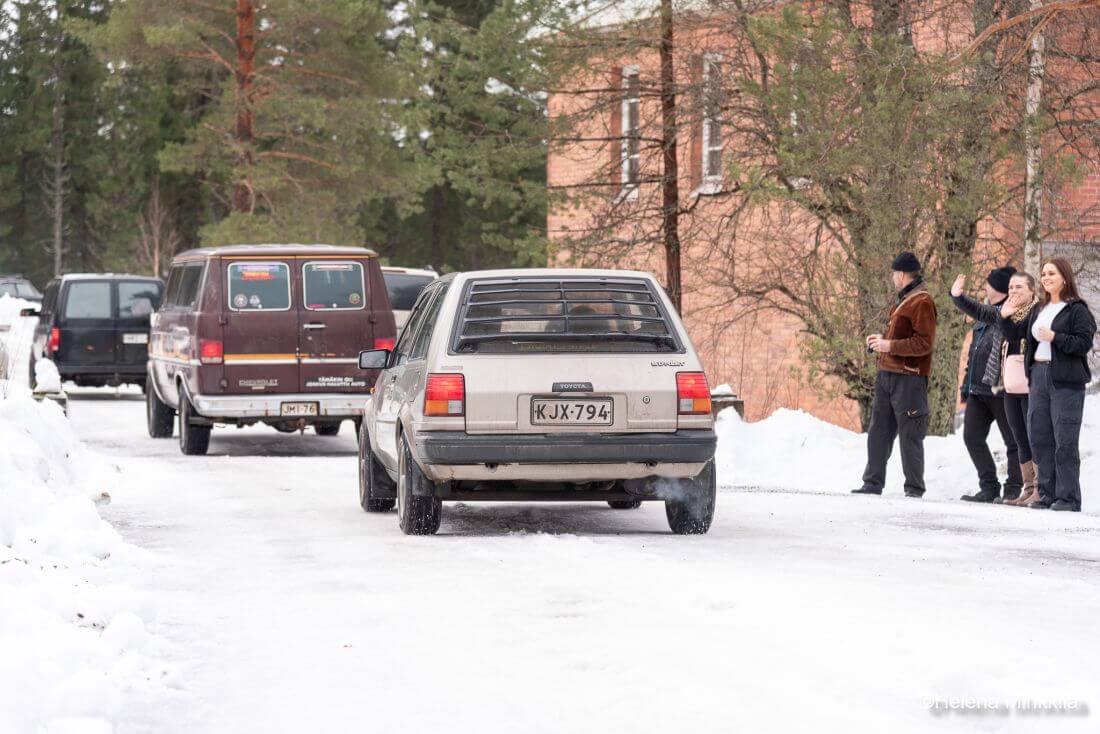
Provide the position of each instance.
(70, 645)
(793, 450)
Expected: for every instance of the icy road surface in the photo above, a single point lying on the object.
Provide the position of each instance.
(291, 610)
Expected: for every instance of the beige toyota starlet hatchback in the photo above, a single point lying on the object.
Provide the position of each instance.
(529, 385)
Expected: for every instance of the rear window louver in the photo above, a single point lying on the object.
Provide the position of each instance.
(607, 311)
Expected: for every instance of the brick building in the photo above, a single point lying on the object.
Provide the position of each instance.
(760, 354)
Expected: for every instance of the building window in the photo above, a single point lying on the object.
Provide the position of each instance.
(712, 126)
(631, 127)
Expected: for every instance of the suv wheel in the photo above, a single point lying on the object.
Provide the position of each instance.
(326, 429)
(194, 440)
(159, 417)
(417, 515)
(373, 480)
(691, 511)
(624, 504)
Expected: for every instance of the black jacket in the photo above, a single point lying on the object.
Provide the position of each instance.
(1074, 329)
(983, 342)
(1016, 333)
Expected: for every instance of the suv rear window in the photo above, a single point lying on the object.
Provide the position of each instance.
(554, 316)
(89, 300)
(333, 285)
(404, 288)
(259, 286)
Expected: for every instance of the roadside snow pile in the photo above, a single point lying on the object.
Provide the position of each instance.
(46, 376)
(793, 450)
(15, 335)
(69, 647)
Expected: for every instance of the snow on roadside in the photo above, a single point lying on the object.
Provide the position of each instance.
(73, 639)
(793, 450)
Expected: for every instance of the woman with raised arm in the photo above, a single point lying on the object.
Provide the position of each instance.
(1059, 337)
(1015, 313)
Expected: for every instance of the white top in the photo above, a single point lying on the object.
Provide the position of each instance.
(1044, 321)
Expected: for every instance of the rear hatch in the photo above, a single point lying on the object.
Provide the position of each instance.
(567, 356)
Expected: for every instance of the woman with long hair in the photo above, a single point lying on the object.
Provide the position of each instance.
(1015, 313)
(1059, 337)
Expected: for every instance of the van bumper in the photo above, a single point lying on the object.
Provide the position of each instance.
(455, 448)
(270, 406)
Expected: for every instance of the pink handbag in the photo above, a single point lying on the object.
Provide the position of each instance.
(1013, 372)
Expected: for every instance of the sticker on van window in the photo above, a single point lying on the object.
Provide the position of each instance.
(240, 300)
(335, 382)
(354, 299)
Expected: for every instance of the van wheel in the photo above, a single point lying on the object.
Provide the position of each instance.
(624, 504)
(194, 440)
(691, 508)
(376, 489)
(159, 416)
(417, 515)
(326, 429)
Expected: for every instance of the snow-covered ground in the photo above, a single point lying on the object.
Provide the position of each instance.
(803, 609)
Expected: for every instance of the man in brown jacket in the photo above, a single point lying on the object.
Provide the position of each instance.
(900, 407)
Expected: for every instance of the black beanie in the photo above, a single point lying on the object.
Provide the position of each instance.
(906, 262)
(999, 278)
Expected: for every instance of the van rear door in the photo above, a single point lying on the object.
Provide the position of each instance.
(87, 323)
(336, 320)
(260, 333)
(136, 301)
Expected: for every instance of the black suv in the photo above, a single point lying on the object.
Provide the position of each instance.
(96, 327)
(17, 286)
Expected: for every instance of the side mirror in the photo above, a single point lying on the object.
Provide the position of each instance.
(29, 311)
(374, 359)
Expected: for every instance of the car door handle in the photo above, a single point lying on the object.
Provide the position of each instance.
(313, 326)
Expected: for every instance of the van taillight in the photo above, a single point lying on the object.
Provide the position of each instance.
(692, 393)
(445, 395)
(210, 351)
(384, 344)
(54, 343)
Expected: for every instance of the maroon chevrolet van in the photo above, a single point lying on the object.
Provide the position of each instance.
(265, 333)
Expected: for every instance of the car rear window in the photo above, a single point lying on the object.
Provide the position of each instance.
(259, 286)
(137, 298)
(554, 316)
(403, 288)
(333, 285)
(90, 300)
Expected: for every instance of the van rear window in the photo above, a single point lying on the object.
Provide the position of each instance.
(259, 286)
(137, 298)
(554, 316)
(89, 300)
(333, 286)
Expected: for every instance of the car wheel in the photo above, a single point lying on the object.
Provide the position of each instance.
(417, 515)
(326, 429)
(690, 509)
(624, 504)
(159, 416)
(30, 374)
(373, 480)
(194, 440)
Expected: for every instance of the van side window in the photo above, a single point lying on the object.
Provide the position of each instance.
(49, 300)
(173, 288)
(188, 292)
(329, 286)
(259, 286)
(88, 300)
(427, 328)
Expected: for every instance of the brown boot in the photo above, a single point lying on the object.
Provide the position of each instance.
(1030, 491)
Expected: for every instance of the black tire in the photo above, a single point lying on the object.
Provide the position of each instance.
(624, 504)
(373, 480)
(30, 374)
(159, 417)
(326, 429)
(417, 515)
(194, 440)
(691, 510)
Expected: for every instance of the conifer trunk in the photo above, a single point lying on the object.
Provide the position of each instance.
(246, 58)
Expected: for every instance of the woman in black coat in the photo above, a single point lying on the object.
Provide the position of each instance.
(1059, 337)
(1015, 315)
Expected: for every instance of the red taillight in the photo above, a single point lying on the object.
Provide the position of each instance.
(55, 340)
(210, 351)
(445, 395)
(692, 393)
(383, 344)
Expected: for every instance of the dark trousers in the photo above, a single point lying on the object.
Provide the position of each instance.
(899, 410)
(1054, 417)
(1016, 412)
(981, 412)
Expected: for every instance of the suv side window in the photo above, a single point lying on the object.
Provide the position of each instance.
(412, 327)
(427, 327)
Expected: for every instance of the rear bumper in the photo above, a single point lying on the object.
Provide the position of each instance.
(455, 448)
(69, 370)
(268, 406)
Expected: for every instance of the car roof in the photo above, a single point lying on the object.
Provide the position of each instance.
(107, 276)
(274, 250)
(546, 273)
(409, 271)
